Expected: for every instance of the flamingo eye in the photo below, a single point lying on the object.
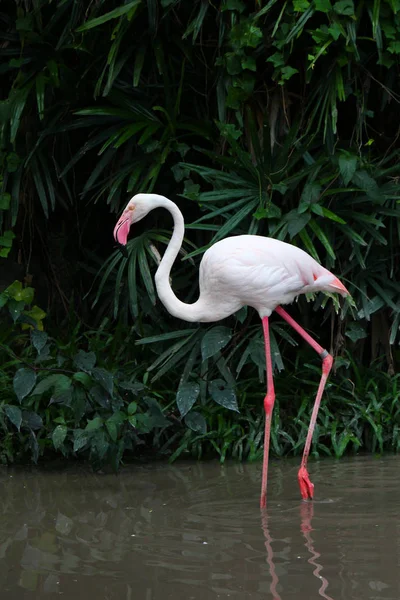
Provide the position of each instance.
(131, 207)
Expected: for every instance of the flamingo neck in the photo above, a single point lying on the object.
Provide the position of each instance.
(187, 312)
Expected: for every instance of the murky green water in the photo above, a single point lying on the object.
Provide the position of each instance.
(195, 532)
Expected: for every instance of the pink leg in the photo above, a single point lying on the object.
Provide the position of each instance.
(268, 406)
(306, 487)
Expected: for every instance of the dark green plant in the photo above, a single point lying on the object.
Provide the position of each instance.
(266, 117)
(68, 401)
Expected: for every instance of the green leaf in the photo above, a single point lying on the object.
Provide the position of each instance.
(311, 193)
(132, 408)
(23, 382)
(5, 199)
(347, 166)
(6, 240)
(139, 60)
(58, 436)
(325, 212)
(233, 5)
(81, 438)
(31, 420)
(276, 59)
(322, 238)
(166, 336)
(296, 222)
(287, 72)
(94, 424)
(366, 183)
(344, 7)
(14, 414)
(58, 382)
(356, 332)
(15, 309)
(19, 98)
(214, 340)
(14, 289)
(323, 5)
(196, 422)
(157, 416)
(223, 394)
(39, 339)
(113, 14)
(85, 361)
(84, 379)
(186, 396)
(100, 444)
(302, 5)
(104, 378)
(112, 429)
(245, 34)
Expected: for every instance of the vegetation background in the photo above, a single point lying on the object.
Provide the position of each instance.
(265, 116)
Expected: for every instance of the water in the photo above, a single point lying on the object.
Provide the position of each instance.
(195, 532)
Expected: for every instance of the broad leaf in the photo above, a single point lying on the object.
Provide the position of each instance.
(58, 382)
(112, 429)
(187, 394)
(344, 7)
(157, 416)
(100, 444)
(81, 438)
(323, 5)
(14, 414)
(196, 422)
(24, 380)
(347, 167)
(99, 394)
(104, 378)
(83, 378)
(94, 424)
(39, 339)
(58, 436)
(223, 394)
(214, 340)
(85, 361)
(31, 420)
(132, 408)
(356, 332)
(296, 222)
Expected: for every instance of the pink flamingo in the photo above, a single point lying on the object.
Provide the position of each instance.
(237, 271)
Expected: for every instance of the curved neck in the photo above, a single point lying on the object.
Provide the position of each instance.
(187, 312)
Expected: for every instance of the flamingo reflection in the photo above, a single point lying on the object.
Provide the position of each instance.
(306, 515)
(270, 555)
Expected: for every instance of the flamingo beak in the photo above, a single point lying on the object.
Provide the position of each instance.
(338, 287)
(121, 231)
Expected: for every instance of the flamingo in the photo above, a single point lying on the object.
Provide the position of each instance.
(237, 271)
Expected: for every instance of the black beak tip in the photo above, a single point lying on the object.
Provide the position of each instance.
(123, 250)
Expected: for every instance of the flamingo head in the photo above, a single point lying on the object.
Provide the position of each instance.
(135, 210)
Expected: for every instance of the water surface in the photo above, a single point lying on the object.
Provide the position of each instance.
(195, 532)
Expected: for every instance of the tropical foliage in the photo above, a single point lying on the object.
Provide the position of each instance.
(268, 117)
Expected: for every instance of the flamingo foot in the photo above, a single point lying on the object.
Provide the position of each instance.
(306, 487)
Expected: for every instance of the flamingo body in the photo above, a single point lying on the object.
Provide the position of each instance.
(237, 271)
(256, 271)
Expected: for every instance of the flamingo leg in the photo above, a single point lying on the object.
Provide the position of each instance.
(306, 487)
(268, 407)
